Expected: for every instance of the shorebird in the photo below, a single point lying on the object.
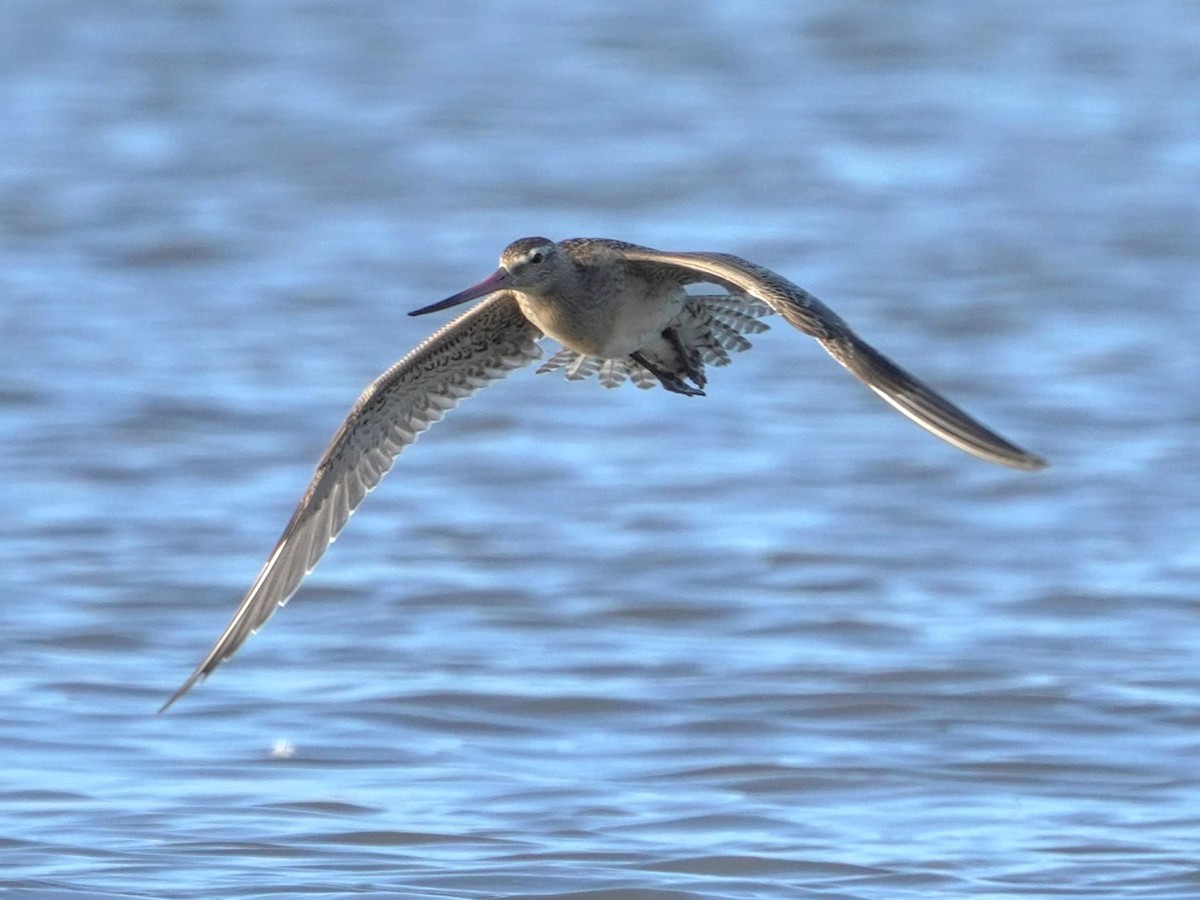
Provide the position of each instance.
(620, 312)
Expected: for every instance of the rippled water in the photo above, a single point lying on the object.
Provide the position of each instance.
(772, 643)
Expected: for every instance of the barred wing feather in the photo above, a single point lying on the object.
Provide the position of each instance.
(478, 347)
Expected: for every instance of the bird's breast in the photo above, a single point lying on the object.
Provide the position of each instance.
(609, 327)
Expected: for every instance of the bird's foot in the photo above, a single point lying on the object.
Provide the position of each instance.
(668, 380)
(689, 357)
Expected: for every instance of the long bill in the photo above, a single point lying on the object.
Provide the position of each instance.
(497, 281)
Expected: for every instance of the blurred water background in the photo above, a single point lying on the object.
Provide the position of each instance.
(773, 643)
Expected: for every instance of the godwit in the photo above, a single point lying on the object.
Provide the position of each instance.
(621, 312)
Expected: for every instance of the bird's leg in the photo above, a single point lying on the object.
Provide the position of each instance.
(669, 380)
(688, 356)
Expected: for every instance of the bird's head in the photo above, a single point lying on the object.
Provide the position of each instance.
(528, 265)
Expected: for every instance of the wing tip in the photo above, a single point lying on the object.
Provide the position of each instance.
(1024, 460)
(184, 688)
(171, 700)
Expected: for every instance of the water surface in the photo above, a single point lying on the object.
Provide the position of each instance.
(775, 642)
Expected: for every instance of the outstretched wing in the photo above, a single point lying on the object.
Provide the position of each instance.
(475, 349)
(902, 390)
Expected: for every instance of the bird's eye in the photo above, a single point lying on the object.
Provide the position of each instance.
(536, 256)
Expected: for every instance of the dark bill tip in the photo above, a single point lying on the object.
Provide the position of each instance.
(497, 281)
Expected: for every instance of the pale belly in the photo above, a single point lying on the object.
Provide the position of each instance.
(609, 330)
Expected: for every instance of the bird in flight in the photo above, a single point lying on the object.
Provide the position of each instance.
(621, 313)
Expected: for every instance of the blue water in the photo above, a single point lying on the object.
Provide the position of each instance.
(771, 643)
